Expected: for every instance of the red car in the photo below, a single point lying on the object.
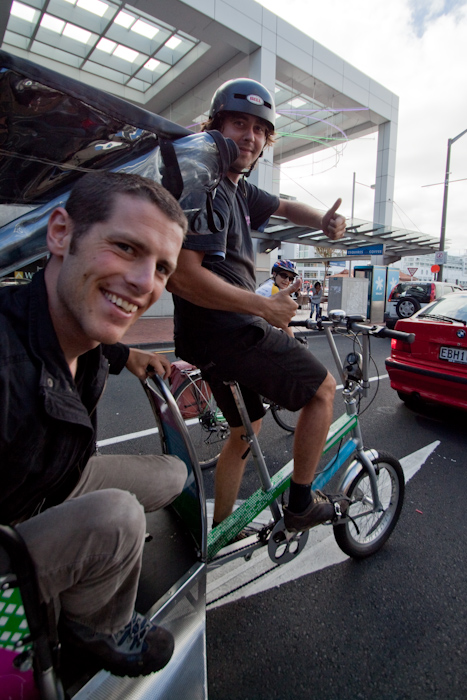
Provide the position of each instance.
(434, 367)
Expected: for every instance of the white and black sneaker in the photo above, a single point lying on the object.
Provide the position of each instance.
(138, 649)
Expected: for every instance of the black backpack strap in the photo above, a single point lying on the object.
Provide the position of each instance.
(215, 223)
(172, 179)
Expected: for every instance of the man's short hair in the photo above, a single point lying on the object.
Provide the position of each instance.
(217, 122)
(92, 199)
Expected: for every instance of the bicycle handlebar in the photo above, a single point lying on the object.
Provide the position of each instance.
(307, 323)
(384, 332)
(353, 324)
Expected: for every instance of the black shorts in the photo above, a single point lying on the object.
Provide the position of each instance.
(265, 362)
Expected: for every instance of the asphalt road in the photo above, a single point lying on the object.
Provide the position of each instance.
(390, 627)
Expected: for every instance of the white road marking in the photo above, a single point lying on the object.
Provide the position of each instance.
(320, 552)
(135, 436)
(372, 379)
(154, 431)
(129, 436)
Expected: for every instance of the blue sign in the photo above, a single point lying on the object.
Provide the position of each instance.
(367, 250)
(379, 283)
(393, 279)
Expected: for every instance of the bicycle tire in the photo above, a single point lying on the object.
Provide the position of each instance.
(375, 528)
(285, 419)
(206, 425)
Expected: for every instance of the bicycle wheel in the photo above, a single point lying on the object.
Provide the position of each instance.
(367, 531)
(284, 418)
(206, 425)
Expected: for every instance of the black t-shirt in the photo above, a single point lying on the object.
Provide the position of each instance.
(228, 254)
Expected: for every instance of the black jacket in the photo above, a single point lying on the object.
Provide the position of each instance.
(47, 418)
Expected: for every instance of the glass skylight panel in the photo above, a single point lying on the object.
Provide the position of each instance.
(96, 69)
(128, 46)
(23, 11)
(76, 33)
(97, 7)
(106, 45)
(150, 76)
(174, 49)
(282, 121)
(139, 85)
(297, 102)
(56, 54)
(21, 42)
(124, 19)
(125, 53)
(173, 42)
(145, 29)
(52, 23)
(152, 64)
(21, 27)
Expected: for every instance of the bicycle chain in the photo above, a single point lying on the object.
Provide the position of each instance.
(262, 535)
(242, 585)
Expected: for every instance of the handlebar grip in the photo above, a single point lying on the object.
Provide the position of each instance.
(306, 323)
(398, 335)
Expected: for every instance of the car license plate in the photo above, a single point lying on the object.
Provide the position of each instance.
(453, 355)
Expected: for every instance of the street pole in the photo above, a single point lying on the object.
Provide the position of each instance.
(442, 237)
(353, 196)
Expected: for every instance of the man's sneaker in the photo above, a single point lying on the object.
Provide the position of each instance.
(321, 509)
(138, 649)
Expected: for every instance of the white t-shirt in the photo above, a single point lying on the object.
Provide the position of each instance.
(316, 298)
(268, 288)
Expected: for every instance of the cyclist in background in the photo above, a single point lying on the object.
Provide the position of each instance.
(283, 274)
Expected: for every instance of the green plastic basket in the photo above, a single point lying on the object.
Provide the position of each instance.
(13, 623)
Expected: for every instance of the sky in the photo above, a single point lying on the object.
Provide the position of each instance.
(418, 50)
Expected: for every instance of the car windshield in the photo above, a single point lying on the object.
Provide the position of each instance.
(452, 307)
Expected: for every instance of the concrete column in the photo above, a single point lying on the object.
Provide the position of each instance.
(385, 174)
(263, 69)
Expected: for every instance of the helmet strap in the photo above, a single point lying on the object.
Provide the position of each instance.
(246, 173)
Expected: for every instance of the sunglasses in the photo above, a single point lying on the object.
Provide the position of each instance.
(285, 276)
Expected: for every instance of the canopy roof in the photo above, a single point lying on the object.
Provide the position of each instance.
(397, 242)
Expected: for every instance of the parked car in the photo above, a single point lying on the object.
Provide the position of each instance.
(408, 297)
(434, 367)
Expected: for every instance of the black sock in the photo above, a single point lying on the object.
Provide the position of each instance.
(214, 523)
(299, 496)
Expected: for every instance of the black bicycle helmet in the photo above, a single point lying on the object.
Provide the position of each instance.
(244, 95)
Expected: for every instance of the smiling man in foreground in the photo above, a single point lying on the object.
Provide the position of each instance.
(112, 249)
